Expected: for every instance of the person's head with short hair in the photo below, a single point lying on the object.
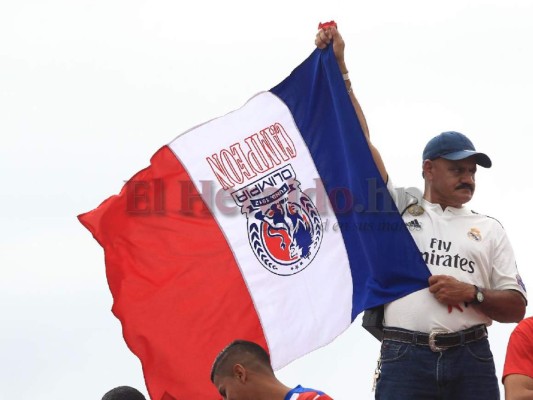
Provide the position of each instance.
(123, 393)
(242, 370)
(449, 166)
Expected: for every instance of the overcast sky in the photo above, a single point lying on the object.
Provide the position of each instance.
(90, 89)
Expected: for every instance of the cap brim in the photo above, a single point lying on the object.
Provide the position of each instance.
(481, 158)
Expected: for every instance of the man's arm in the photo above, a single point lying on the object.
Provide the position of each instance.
(499, 305)
(518, 387)
(332, 35)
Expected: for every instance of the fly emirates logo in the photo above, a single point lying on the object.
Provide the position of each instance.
(440, 256)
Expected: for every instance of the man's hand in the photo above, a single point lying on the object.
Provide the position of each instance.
(499, 305)
(450, 291)
(325, 37)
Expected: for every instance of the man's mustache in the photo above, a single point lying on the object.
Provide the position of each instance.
(465, 186)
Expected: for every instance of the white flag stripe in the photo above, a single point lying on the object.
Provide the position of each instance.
(301, 311)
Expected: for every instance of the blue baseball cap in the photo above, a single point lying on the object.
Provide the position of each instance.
(454, 146)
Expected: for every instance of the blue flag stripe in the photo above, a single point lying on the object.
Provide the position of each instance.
(384, 260)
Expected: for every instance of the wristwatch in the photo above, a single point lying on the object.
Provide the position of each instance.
(478, 297)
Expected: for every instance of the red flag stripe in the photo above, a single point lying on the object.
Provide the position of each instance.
(155, 244)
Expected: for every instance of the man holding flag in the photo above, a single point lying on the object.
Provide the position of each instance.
(435, 340)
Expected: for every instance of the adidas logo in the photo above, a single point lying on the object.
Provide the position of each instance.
(413, 225)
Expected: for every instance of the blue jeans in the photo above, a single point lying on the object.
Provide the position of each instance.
(410, 372)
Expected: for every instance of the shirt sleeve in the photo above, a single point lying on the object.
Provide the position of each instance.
(505, 274)
(404, 197)
(519, 356)
(314, 396)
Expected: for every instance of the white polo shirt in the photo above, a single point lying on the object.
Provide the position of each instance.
(471, 247)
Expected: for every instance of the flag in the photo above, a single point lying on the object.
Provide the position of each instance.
(270, 223)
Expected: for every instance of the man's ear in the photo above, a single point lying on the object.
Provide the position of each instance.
(427, 169)
(239, 372)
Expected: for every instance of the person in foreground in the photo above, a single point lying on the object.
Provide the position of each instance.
(518, 368)
(435, 340)
(124, 393)
(242, 371)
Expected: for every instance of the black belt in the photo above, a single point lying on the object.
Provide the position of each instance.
(437, 340)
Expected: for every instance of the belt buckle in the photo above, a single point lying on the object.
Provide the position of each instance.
(432, 340)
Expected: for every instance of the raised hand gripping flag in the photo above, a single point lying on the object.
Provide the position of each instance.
(268, 224)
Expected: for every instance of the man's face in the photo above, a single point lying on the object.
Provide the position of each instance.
(451, 183)
(230, 387)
